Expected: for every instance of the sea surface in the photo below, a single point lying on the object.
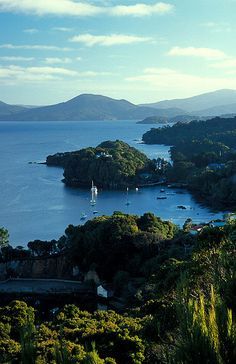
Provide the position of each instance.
(35, 204)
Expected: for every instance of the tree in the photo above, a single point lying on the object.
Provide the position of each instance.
(9, 348)
(187, 225)
(28, 348)
(4, 238)
(208, 331)
(92, 357)
(41, 248)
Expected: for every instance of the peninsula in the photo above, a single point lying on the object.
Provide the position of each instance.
(154, 120)
(204, 158)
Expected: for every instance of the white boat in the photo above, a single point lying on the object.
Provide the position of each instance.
(94, 189)
(83, 216)
(94, 192)
(127, 197)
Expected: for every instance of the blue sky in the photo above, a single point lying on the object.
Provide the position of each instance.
(143, 51)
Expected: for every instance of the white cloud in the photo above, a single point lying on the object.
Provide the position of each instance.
(181, 84)
(52, 71)
(47, 73)
(62, 29)
(50, 7)
(16, 59)
(108, 40)
(34, 74)
(30, 30)
(40, 47)
(225, 64)
(94, 74)
(78, 8)
(207, 53)
(141, 9)
(218, 27)
(55, 60)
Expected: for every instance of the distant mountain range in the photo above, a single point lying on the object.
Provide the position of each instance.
(88, 107)
(198, 105)
(219, 110)
(6, 109)
(97, 107)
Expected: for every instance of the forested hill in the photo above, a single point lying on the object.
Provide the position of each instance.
(112, 164)
(204, 158)
(216, 129)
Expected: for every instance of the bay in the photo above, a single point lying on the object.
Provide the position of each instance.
(35, 204)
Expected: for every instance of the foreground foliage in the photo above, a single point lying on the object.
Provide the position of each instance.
(182, 311)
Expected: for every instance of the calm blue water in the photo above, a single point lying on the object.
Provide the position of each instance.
(35, 204)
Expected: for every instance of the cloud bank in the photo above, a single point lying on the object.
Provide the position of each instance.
(75, 8)
(181, 83)
(207, 53)
(17, 74)
(90, 40)
(37, 47)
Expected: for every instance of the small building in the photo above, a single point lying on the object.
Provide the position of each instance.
(216, 166)
(219, 223)
(196, 229)
(104, 291)
(104, 155)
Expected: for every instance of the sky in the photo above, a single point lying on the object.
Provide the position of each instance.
(142, 51)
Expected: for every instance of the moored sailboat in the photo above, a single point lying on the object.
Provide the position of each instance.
(127, 197)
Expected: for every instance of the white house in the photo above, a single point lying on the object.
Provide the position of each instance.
(104, 291)
(218, 223)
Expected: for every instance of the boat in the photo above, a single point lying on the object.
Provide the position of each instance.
(93, 202)
(83, 216)
(127, 197)
(136, 189)
(161, 198)
(94, 192)
(162, 190)
(94, 189)
(181, 207)
(95, 212)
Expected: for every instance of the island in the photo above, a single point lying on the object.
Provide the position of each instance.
(111, 165)
(204, 158)
(154, 120)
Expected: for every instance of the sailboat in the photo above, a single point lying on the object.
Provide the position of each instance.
(94, 192)
(93, 201)
(94, 189)
(127, 197)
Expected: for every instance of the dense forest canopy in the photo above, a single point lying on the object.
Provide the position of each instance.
(215, 129)
(204, 157)
(112, 164)
(183, 310)
(117, 243)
